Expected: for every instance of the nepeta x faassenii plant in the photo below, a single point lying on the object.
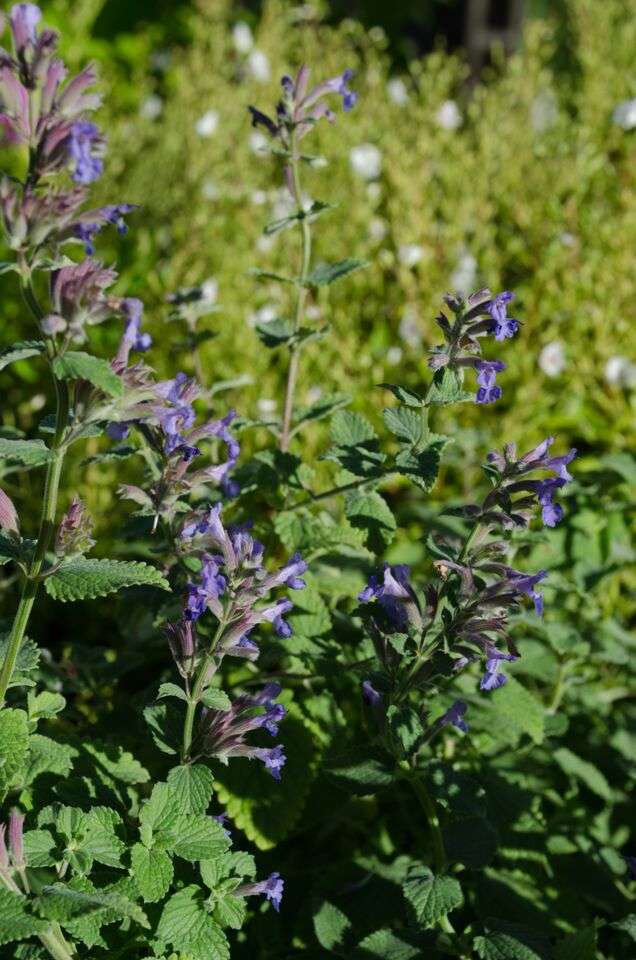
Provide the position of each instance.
(100, 858)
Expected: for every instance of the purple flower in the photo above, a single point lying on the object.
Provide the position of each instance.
(24, 21)
(370, 695)
(90, 223)
(83, 141)
(525, 583)
(349, 97)
(551, 513)
(290, 575)
(183, 644)
(273, 757)
(487, 371)
(206, 594)
(394, 594)
(272, 888)
(455, 716)
(16, 834)
(503, 326)
(493, 678)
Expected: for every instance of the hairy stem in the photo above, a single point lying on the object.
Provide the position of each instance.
(47, 517)
(294, 361)
(197, 691)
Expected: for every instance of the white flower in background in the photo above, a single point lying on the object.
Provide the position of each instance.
(264, 243)
(314, 394)
(242, 37)
(625, 114)
(207, 125)
(552, 358)
(265, 406)
(393, 356)
(366, 161)
(464, 276)
(210, 190)
(151, 107)
(264, 314)
(258, 197)
(544, 111)
(210, 290)
(448, 116)
(396, 89)
(567, 239)
(258, 141)
(258, 66)
(378, 229)
(620, 372)
(410, 328)
(410, 254)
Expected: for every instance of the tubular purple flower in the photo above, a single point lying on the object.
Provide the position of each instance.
(487, 371)
(83, 148)
(16, 829)
(91, 222)
(525, 583)
(503, 326)
(24, 19)
(133, 338)
(273, 757)
(272, 888)
(182, 641)
(395, 595)
(455, 716)
(493, 678)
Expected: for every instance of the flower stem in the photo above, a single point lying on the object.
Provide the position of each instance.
(47, 517)
(430, 809)
(197, 690)
(294, 362)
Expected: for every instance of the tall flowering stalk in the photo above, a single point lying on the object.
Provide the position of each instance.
(297, 112)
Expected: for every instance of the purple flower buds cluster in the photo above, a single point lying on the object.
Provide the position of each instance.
(300, 106)
(516, 495)
(477, 316)
(222, 732)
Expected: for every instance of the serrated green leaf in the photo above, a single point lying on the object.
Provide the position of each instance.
(577, 946)
(386, 945)
(275, 333)
(185, 924)
(422, 466)
(26, 663)
(159, 812)
(84, 579)
(44, 705)
(195, 837)
(62, 901)
(331, 926)
(76, 365)
(30, 453)
(39, 846)
(348, 429)
(230, 911)
(47, 756)
(362, 770)
(171, 690)
(405, 726)
(21, 351)
(516, 707)
(14, 744)
(409, 398)
(152, 871)
(16, 923)
(216, 699)
(368, 511)
(447, 387)
(192, 787)
(503, 946)
(586, 772)
(327, 273)
(407, 424)
(431, 897)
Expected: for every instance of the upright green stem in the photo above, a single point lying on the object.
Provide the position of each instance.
(197, 690)
(428, 806)
(47, 517)
(294, 362)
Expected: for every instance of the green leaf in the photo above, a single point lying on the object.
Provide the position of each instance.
(196, 837)
(275, 333)
(152, 871)
(320, 409)
(63, 901)
(578, 946)
(361, 770)
(627, 925)
(115, 453)
(515, 708)
(316, 209)
(386, 945)
(192, 787)
(26, 663)
(431, 897)
(368, 511)
(409, 398)
(14, 742)
(48, 756)
(422, 466)
(30, 453)
(84, 579)
(76, 365)
(327, 273)
(230, 911)
(21, 351)
(185, 924)
(171, 690)
(44, 705)
(406, 424)
(331, 926)
(503, 946)
(447, 388)
(39, 847)
(166, 726)
(586, 772)
(216, 699)
(405, 726)
(349, 429)
(15, 922)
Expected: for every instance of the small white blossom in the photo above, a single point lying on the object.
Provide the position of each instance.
(258, 141)
(396, 89)
(265, 406)
(210, 190)
(366, 161)
(410, 328)
(151, 107)
(258, 66)
(552, 358)
(393, 356)
(264, 314)
(448, 116)
(210, 290)
(207, 125)
(264, 243)
(242, 37)
(567, 239)
(258, 197)
(624, 114)
(464, 275)
(620, 372)
(378, 229)
(410, 254)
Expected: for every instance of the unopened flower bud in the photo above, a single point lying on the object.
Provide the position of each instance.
(16, 846)
(74, 532)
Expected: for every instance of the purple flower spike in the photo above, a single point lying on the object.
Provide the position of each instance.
(487, 371)
(455, 716)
